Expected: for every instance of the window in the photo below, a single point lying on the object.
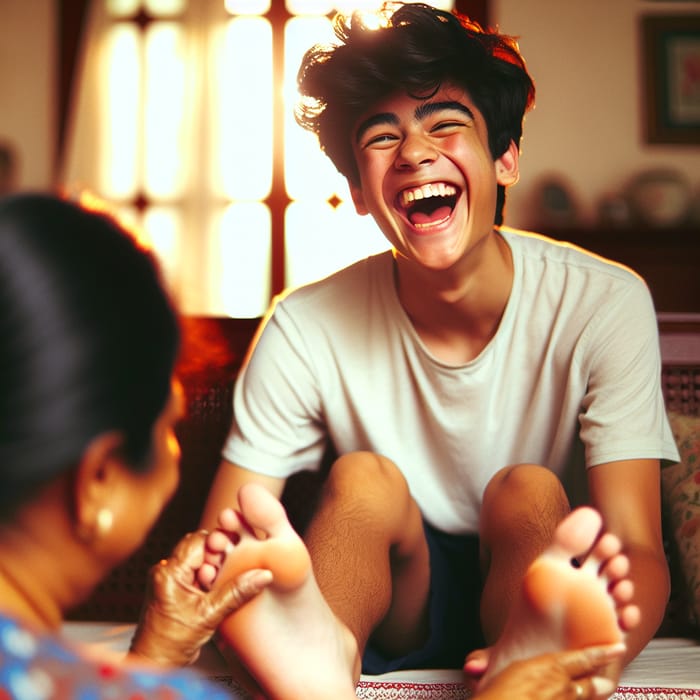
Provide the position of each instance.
(184, 121)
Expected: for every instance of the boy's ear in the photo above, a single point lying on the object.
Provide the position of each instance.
(96, 478)
(358, 199)
(508, 166)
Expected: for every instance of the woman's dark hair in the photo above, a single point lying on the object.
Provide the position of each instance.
(88, 340)
(415, 51)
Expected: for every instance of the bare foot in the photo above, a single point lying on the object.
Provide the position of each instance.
(287, 637)
(562, 605)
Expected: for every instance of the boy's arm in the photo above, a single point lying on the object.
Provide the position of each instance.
(224, 490)
(628, 495)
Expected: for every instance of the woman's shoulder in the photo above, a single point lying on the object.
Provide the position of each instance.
(37, 664)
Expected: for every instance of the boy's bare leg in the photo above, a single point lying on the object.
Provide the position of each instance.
(522, 506)
(575, 594)
(369, 553)
(287, 638)
(533, 592)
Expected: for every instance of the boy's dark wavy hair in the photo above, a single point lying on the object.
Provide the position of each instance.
(416, 50)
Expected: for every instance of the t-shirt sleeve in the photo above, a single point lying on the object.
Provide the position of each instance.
(623, 412)
(277, 428)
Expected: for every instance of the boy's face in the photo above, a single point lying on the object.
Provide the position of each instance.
(427, 175)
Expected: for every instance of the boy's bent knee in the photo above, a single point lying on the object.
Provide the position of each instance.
(372, 487)
(365, 473)
(519, 480)
(524, 490)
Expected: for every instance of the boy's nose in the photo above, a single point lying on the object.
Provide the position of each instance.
(414, 152)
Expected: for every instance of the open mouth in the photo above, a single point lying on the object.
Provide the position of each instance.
(429, 204)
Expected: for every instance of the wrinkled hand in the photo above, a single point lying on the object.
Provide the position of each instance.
(178, 616)
(566, 675)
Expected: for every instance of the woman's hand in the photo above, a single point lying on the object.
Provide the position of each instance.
(178, 616)
(565, 675)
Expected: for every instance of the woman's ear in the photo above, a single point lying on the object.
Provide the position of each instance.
(358, 199)
(96, 484)
(508, 166)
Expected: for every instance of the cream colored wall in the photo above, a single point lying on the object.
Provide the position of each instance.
(584, 57)
(27, 106)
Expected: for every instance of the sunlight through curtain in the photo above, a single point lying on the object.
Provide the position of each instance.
(173, 123)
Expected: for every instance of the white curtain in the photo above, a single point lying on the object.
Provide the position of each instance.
(182, 114)
(110, 134)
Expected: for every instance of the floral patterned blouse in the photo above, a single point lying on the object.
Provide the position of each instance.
(35, 666)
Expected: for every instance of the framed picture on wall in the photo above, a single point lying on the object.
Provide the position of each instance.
(671, 63)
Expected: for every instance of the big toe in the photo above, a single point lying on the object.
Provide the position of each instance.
(577, 533)
(262, 510)
(283, 552)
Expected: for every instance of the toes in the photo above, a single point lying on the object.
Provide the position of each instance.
(206, 575)
(577, 533)
(616, 568)
(629, 617)
(219, 541)
(476, 663)
(229, 519)
(262, 510)
(622, 591)
(605, 558)
(607, 547)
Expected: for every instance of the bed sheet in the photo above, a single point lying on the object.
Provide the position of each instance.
(668, 669)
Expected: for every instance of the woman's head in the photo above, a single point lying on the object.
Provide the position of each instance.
(416, 50)
(88, 341)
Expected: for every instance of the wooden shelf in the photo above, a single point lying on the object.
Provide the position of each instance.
(668, 259)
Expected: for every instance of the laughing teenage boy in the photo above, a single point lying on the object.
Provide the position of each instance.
(461, 377)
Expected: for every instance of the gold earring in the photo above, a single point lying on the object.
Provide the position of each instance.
(105, 519)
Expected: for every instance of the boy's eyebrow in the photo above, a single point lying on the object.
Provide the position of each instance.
(428, 108)
(381, 118)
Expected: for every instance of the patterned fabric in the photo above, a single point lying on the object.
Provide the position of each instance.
(681, 493)
(454, 691)
(37, 666)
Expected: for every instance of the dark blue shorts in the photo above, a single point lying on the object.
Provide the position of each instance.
(455, 591)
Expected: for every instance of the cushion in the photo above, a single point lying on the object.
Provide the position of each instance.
(681, 497)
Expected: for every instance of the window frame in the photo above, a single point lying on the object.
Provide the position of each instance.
(71, 20)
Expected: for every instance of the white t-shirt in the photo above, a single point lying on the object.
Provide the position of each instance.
(575, 357)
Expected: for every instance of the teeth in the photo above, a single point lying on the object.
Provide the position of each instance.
(431, 189)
